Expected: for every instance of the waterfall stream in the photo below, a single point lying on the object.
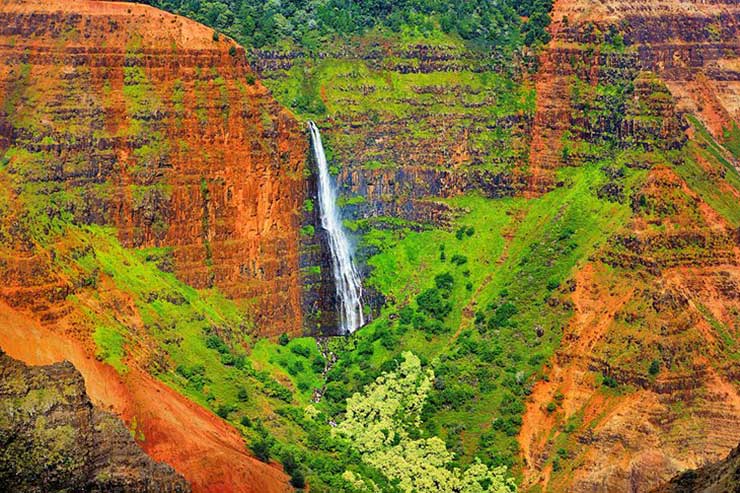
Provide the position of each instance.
(346, 277)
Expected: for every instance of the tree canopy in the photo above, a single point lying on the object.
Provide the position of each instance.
(383, 425)
(306, 23)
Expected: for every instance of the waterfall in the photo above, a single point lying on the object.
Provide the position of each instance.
(346, 278)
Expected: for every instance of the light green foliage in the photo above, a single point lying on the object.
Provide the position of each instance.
(380, 424)
(110, 343)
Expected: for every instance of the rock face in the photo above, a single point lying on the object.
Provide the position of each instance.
(55, 440)
(409, 125)
(653, 310)
(719, 477)
(126, 116)
(691, 45)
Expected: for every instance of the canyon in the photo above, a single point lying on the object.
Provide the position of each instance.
(554, 230)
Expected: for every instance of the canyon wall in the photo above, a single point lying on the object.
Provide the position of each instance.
(125, 116)
(139, 153)
(408, 125)
(655, 309)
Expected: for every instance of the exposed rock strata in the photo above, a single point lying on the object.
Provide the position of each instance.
(54, 439)
(148, 122)
(718, 477)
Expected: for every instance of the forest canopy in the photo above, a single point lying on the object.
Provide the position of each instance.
(503, 24)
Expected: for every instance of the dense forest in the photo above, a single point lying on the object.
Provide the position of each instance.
(310, 24)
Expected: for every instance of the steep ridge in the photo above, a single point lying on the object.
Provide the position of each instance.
(126, 116)
(203, 448)
(722, 476)
(644, 383)
(54, 439)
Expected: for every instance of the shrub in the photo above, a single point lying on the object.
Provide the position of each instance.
(609, 381)
(444, 281)
(242, 395)
(502, 315)
(283, 340)
(224, 410)
(318, 365)
(261, 448)
(551, 407)
(297, 479)
(232, 50)
(433, 303)
(458, 259)
(215, 342)
(215, 35)
(406, 315)
(251, 79)
(654, 367)
(301, 350)
(245, 421)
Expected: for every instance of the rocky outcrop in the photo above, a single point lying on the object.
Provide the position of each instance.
(53, 438)
(123, 115)
(718, 477)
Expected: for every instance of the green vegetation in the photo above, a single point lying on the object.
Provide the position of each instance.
(110, 345)
(384, 425)
(312, 25)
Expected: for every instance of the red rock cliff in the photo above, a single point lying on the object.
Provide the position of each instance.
(663, 290)
(158, 127)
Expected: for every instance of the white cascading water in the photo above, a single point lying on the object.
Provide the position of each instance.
(346, 278)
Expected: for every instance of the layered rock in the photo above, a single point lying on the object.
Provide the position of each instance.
(54, 439)
(410, 125)
(126, 116)
(653, 310)
(691, 45)
(722, 476)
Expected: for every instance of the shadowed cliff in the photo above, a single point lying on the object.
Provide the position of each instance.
(54, 439)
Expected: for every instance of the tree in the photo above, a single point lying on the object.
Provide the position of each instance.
(261, 448)
(383, 424)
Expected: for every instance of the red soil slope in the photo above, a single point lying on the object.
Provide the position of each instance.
(203, 448)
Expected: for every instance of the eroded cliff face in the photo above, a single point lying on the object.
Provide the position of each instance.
(126, 116)
(712, 478)
(408, 124)
(645, 381)
(54, 439)
(140, 154)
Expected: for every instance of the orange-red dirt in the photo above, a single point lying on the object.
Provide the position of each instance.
(208, 452)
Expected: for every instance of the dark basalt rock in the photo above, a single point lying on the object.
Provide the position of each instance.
(52, 438)
(722, 476)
